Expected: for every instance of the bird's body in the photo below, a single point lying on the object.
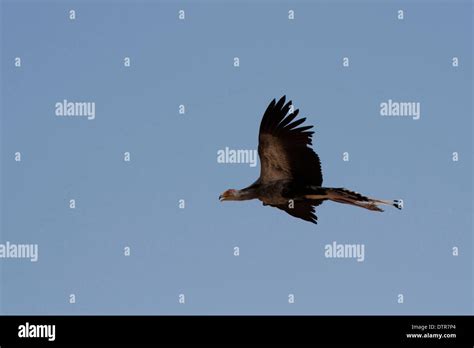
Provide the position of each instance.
(273, 193)
(290, 174)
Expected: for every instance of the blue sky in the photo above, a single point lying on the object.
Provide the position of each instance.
(190, 251)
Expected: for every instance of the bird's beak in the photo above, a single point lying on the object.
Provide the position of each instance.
(226, 196)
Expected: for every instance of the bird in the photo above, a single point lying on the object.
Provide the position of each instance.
(290, 171)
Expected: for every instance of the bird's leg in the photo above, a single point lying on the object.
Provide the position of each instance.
(366, 205)
(342, 195)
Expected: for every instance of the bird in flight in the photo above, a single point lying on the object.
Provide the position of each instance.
(290, 171)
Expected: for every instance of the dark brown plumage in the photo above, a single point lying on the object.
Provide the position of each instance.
(290, 171)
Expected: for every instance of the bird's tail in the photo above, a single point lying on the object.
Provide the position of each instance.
(342, 195)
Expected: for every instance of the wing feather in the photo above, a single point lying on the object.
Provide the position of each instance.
(302, 209)
(284, 149)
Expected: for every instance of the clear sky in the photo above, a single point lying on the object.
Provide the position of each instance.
(173, 156)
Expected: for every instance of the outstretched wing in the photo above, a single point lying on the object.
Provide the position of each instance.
(284, 148)
(302, 209)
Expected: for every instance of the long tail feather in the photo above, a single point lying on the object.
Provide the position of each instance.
(345, 196)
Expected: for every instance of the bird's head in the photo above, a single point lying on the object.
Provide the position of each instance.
(229, 195)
